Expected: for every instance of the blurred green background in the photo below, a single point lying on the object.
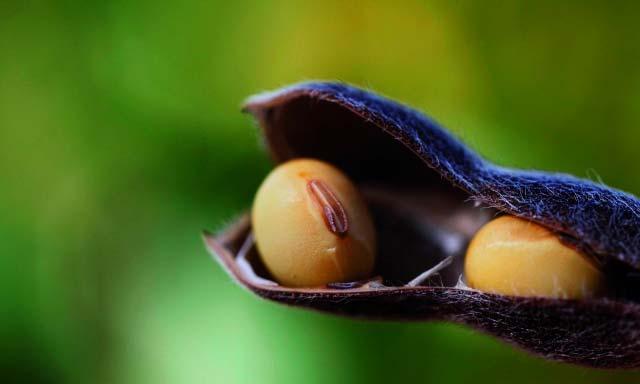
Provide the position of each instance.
(121, 139)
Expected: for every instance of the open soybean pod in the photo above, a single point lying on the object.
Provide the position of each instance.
(429, 195)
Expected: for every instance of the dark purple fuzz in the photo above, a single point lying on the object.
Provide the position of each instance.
(605, 220)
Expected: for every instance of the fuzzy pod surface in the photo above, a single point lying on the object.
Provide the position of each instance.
(429, 193)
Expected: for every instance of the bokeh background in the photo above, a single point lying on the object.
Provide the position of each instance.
(121, 139)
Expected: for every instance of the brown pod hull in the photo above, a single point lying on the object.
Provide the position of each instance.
(429, 194)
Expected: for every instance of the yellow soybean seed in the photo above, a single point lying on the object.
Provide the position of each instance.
(512, 256)
(311, 225)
